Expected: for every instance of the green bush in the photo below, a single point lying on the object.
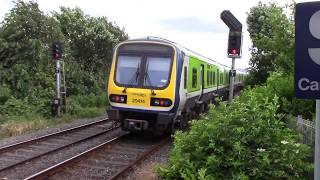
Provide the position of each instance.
(283, 86)
(86, 106)
(245, 140)
(90, 100)
(5, 94)
(91, 112)
(16, 107)
(73, 107)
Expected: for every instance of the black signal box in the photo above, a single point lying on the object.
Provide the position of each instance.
(56, 50)
(234, 44)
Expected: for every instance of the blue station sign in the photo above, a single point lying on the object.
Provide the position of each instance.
(307, 50)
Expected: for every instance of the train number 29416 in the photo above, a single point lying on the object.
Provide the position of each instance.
(141, 101)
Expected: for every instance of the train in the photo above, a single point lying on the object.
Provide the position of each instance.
(156, 86)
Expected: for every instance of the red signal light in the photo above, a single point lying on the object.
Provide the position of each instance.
(234, 51)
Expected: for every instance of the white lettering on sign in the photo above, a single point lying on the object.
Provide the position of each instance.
(314, 27)
(305, 84)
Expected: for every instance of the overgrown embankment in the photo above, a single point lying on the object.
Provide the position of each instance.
(247, 139)
(27, 70)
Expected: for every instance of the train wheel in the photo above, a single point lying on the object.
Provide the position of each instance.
(184, 123)
(172, 127)
(193, 115)
(206, 107)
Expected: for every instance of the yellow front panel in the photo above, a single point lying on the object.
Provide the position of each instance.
(137, 97)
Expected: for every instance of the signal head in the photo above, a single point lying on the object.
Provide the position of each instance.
(56, 50)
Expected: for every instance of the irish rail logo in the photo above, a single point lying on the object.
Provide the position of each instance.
(314, 27)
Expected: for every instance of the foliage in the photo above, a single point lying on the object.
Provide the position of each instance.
(25, 67)
(272, 35)
(15, 107)
(272, 61)
(90, 100)
(16, 125)
(27, 71)
(282, 85)
(5, 94)
(91, 39)
(245, 140)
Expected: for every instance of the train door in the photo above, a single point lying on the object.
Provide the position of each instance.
(218, 79)
(185, 76)
(201, 79)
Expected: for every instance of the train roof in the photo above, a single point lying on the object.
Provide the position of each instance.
(185, 50)
(182, 48)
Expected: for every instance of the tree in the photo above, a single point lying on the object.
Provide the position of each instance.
(91, 38)
(27, 70)
(25, 38)
(272, 35)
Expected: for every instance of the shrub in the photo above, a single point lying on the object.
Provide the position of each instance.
(86, 106)
(90, 112)
(5, 94)
(90, 100)
(282, 85)
(16, 107)
(246, 140)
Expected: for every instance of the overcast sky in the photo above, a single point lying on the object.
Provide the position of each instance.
(194, 24)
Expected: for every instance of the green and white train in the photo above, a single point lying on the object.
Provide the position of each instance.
(155, 84)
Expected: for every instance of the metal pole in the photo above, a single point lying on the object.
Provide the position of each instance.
(64, 89)
(58, 86)
(231, 81)
(317, 143)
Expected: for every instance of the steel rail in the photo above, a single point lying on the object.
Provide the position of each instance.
(15, 145)
(53, 169)
(140, 159)
(57, 149)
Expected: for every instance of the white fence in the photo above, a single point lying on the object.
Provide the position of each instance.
(307, 129)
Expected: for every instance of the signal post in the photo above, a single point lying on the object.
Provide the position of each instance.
(234, 44)
(57, 101)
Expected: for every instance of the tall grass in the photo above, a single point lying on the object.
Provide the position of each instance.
(82, 106)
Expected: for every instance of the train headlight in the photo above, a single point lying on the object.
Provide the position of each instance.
(118, 98)
(163, 102)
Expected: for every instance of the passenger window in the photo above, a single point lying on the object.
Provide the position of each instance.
(214, 78)
(208, 75)
(218, 77)
(194, 78)
(185, 77)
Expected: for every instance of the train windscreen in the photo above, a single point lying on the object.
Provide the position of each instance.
(157, 71)
(144, 65)
(128, 70)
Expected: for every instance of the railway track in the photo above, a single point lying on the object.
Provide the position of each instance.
(21, 160)
(109, 160)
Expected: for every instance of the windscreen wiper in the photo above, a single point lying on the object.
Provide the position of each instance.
(134, 77)
(149, 80)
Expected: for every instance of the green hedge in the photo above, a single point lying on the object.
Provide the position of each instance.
(245, 140)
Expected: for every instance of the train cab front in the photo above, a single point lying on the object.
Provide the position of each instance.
(141, 87)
